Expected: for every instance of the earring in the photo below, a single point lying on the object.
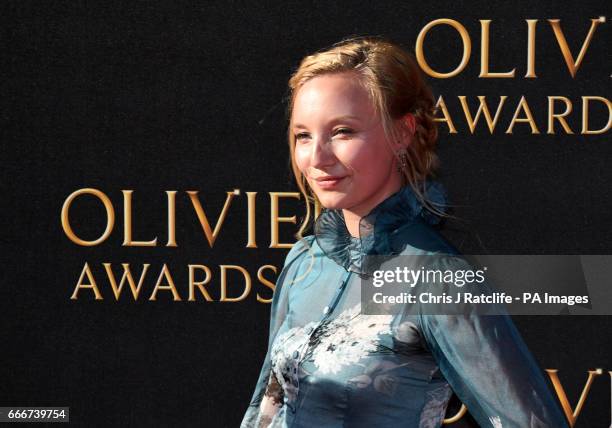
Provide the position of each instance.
(403, 160)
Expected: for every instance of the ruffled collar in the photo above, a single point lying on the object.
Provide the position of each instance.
(376, 229)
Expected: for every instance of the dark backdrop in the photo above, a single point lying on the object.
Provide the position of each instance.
(158, 96)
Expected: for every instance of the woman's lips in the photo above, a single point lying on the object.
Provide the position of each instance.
(328, 183)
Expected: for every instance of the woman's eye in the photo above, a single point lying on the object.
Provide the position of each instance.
(301, 136)
(343, 131)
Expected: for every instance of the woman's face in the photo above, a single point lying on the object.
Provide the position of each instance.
(341, 147)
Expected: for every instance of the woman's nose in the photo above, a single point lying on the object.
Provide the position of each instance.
(322, 153)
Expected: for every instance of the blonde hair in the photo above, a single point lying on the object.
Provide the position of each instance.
(396, 87)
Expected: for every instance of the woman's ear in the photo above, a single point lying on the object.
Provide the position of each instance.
(410, 123)
(408, 128)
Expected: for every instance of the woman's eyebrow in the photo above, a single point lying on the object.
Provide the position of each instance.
(345, 117)
(334, 120)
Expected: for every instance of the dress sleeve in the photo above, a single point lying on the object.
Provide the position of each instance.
(267, 398)
(491, 370)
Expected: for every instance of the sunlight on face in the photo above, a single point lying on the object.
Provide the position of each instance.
(341, 147)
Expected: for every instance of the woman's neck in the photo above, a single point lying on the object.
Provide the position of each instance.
(352, 220)
(353, 216)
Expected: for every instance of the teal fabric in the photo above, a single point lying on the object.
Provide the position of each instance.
(328, 365)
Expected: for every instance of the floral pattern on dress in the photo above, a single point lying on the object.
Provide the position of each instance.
(285, 355)
(334, 344)
(346, 339)
(379, 375)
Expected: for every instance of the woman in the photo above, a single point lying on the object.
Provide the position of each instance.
(362, 141)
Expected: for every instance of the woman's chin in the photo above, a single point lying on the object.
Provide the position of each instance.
(334, 198)
(333, 202)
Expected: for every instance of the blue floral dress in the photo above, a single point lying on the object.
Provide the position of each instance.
(328, 365)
